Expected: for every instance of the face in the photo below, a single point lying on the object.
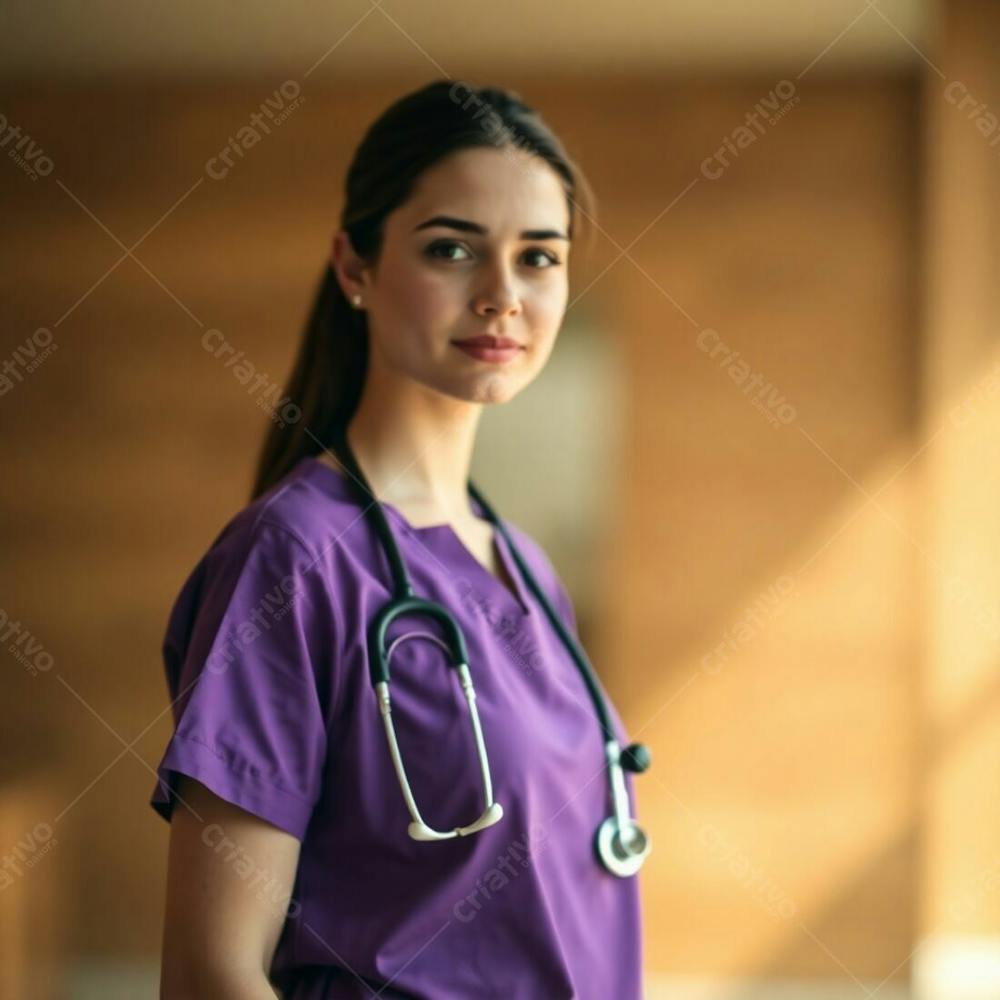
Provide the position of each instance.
(478, 250)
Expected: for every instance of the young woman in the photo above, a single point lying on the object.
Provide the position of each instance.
(332, 843)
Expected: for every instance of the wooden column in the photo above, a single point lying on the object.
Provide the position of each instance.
(958, 955)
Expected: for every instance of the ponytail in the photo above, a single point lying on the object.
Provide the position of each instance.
(325, 383)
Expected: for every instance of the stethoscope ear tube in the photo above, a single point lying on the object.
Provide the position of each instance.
(418, 829)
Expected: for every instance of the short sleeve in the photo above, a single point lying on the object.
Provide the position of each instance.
(247, 654)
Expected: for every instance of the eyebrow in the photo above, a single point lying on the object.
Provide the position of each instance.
(464, 226)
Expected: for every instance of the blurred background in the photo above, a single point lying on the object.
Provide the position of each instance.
(763, 456)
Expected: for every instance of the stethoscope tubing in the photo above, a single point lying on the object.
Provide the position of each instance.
(620, 843)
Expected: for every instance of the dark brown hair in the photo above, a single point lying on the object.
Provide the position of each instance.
(410, 136)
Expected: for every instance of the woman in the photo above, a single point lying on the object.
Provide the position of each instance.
(292, 862)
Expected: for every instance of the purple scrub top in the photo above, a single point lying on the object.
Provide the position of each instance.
(267, 668)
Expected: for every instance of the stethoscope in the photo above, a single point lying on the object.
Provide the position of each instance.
(620, 843)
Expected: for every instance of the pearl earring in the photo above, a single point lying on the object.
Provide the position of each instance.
(357, 301)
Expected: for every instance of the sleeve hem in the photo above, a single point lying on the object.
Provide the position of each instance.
(281, 808)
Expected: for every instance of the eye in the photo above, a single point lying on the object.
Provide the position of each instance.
(441, 250)
(553, 260)
(445, 245)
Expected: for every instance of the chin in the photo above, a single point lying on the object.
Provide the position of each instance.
(490, 388)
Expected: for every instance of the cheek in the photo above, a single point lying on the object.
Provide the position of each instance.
(424, 302)
(546, 311)
(553, 304)
(411, 311)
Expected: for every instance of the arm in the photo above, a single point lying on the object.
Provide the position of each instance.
(218, 937)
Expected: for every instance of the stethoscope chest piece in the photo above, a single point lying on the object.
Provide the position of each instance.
(621, 850)
(621, 844)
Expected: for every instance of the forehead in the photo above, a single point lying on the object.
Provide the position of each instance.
(504, 190)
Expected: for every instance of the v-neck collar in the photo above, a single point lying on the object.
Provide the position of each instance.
(447, 534)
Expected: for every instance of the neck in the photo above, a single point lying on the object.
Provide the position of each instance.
(415, 445)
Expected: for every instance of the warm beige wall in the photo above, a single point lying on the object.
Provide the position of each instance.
(796, 759)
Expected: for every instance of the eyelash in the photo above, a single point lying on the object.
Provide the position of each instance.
(430, 251)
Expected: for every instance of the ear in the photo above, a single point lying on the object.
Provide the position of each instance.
(348, 266)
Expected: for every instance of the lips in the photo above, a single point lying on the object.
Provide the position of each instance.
(496, 343)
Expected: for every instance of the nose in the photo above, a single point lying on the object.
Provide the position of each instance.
(497, 298)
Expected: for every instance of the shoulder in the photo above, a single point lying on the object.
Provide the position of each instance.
(300, 512)
(276, 540)
(259, 585)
